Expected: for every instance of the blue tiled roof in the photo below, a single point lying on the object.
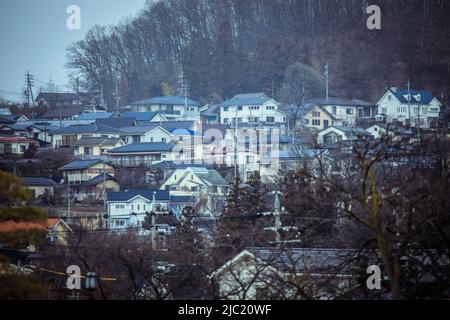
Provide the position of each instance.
(143, 147)
(80, 164)
(183, 132)
(417, 96)
(38, 181)
(86, 128)
(169, 100)
(182, 199)
(246, 100)
(139, 116)
(95, 116)
(161, 195)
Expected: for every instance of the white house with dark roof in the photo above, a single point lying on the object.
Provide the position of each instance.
(128, 209)
(336, 134)
(173, 107)
(69, 136)
(39, 186)
(346, 112)
(193, 181)
(410, 107)
(96, 146)
(80, 171)
(140, 154)
(251, 108)
(265, 273)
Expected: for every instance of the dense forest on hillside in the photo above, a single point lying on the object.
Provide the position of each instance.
(229, 46)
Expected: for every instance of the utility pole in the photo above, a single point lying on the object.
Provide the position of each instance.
(418, 116)
(68, 201)
(29, 82)
(153, 221)
(235, 143)
(117, 95)
(409, 102)
(326, 73)
(278, 226)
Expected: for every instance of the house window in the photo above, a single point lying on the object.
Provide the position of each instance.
(334, 109)
(270, 119)
(144, 207)
(136, 139)
(163, 139)
(138, 207)
(384, 110)
(240, 108)
(226, 120)
(316, 114)
(120, 206)
(132, 207)
(225, 109)
(349, 111)
(23, 148)
(270, 108)
(119, 223)
(316, 122)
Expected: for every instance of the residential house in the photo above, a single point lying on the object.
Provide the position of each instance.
(56, 100)
(140, 154)
(316, 117)
(96, 146)
(56, 229)
(37, 131)
(79, 171)
(192, 181)
(251, 109)
(129, 209)
(173, 107)
(69, 136)
(66, 113)
(152, 133)
(95, 188)
(273, 273)
(210, 114)
(15, 118)
(5, 112)
(347, 113)
(417, 108)
(336, 134)
(39, 186)
(15, 145)
(142, 117)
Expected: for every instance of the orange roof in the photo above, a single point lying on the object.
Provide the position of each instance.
(10, 226)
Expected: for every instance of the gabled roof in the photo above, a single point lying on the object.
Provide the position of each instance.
(96, 115)
(209, 177)
(5, 111)
(16, 139)
(117, 123)
(65, 112)
(100, 141)
(14, 117)
(246, 99)
(417, 96)
(140, 116)
(86, 128)
(168, 100)
(303, 260)
(348, 130)
(143, 148)
(99, 179)
(11, 226)
(38, 181)
(80, 164)
(161, 195)
(340, 102)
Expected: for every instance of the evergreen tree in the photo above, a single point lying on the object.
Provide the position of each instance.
(253, 197)
(12, 195)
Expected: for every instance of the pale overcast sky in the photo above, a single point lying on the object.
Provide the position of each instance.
(34, 37)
